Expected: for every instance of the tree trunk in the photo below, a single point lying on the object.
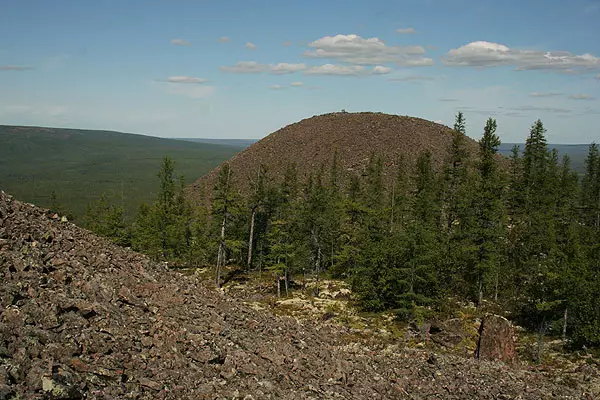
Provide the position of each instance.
(392, 209)
(564, 329)
(286, 283)
(250, 239)
(278, 286)
(496, 291)
(317, 269)
(260, 273)
(221, 254)
(480, 296)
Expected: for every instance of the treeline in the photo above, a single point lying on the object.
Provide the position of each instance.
(523, 233)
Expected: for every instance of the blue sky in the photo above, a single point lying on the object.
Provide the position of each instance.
(242, 69)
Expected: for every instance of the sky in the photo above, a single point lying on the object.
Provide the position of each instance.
(243, 69)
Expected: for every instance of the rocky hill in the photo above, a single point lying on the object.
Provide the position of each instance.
(312, 142)
(82, 318)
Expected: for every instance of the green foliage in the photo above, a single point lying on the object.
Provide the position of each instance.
(526, 237)
(106, 219)
(167, 229)
(81, 165)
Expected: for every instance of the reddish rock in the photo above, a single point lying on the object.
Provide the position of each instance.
(496, 340)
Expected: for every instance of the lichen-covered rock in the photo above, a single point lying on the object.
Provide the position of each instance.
(496, 340)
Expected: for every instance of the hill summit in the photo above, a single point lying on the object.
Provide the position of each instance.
(312, 142)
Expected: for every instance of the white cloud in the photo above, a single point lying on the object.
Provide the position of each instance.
(250, 45)
(184, 79)
(14, 68)
(253, 67)
(416, 62)
(381, 70)
(581, 96)
(405, 31)
(354, 49)
(246, 67)
(286, 68)
(486, 54)
(296, 84)
(180, 42)
(331, 69)
(545, 94)
(223, 39)
(191, 91)
(277, 87)
(346, 70)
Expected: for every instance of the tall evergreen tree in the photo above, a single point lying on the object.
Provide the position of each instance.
(490, 216)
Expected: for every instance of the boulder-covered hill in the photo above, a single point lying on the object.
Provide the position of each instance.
(312, 142)
(81, 318)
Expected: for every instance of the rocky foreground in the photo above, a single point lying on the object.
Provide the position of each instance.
(82, 318)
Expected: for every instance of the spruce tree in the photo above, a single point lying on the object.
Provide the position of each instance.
(490, 217)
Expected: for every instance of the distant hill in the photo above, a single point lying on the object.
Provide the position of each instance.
(312, 142)
(79, 165)
(239, 143)
(577, 152)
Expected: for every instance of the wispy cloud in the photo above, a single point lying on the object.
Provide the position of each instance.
(191, 91)
(581, 96)
(486, 54)
(448, 100)
(285, 68)
(14, 68)
(39, 110)
(331, 69)
(253, 67)
(180, 42)
(277, 87)
(296, 84)
(354, 49)
(224, 39)
(412, 78)
(246, 67)
(184, 79)
(250, 45)
(545, 94)
(554, 110)
(406, 31)
(346, 70)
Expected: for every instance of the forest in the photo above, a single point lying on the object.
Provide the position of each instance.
(521, 234)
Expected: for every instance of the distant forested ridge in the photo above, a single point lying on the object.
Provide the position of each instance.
(80, 165)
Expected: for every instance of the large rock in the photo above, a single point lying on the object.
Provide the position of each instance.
(496, 340)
